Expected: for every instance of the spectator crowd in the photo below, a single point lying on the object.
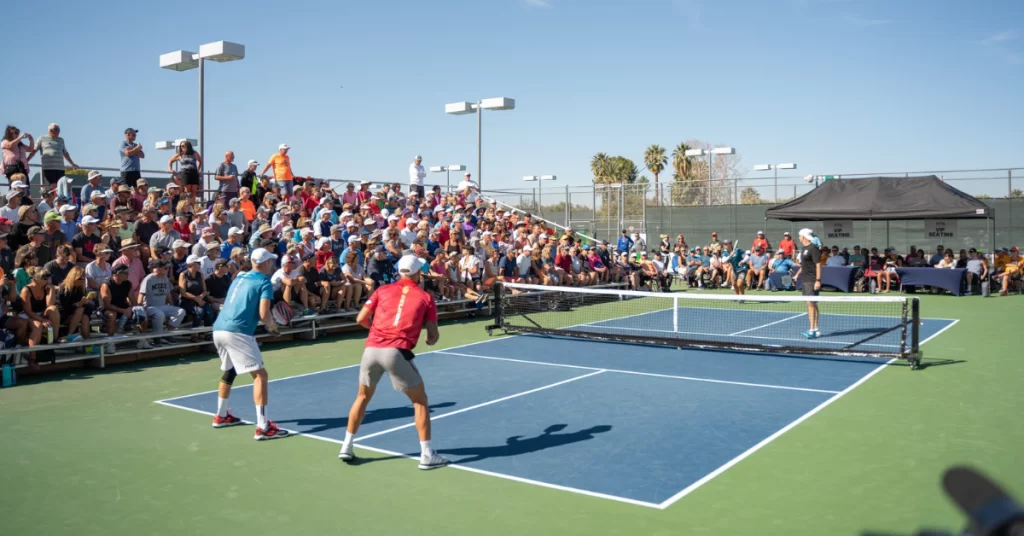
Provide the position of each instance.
(136, 258)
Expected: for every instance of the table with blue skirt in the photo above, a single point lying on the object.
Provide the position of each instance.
(841, 278)
(951, 279)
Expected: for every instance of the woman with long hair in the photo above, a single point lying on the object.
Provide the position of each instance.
(15, 151)
(356, 277)
(189, 163)
(23, 260)
(74, 302)
(38, 306)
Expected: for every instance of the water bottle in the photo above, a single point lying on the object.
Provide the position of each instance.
(49, 335)
(985, 288)
(10, 377)
(871, 286)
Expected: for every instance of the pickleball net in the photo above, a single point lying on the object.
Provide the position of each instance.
(862, 326)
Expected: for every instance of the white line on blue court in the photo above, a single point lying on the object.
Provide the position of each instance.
(452, 465)
(651, 374)
(488, 403)
(788, 318)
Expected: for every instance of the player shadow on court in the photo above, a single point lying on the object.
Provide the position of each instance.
(372, 416)
(516, 445)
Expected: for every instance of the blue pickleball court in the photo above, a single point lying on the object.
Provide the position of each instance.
(634, 423)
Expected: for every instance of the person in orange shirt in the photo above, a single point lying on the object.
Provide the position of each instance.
(282, 165)
(246, 205)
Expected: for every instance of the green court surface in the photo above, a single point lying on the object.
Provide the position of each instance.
(89, 452)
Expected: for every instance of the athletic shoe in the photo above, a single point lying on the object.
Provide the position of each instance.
(272, 432)
(432, 461)
(144, 345)
(110, 349)
(346, 454)
(811, 334)
(228, 420)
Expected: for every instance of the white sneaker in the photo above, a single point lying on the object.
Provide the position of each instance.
(110, 348)
(346, 453)
(144, 345)
(432, 461)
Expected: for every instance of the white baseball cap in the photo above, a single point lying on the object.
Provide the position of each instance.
(192, 259)
(283, 146)
(321, 241)
(261, 256)
(393, 218)
(418, 157)
(235, 230)
(354, 238)
(253, 163)
(96, 193)
(306, 231)
(67, 208)
(410, 264)
(364, 182)
(166, 218)
(90, 220)
(18, 184)
(806, 233)
(411, 221)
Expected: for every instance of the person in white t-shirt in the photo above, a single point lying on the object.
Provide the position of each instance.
(417, 176)
(469, 189)
(10, 210)
(289, 284)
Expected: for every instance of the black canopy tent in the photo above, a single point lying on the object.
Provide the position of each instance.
(884, 198)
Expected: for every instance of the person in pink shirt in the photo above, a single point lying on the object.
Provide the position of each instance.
(350, 196)
(596, 265)
(130, 258)
(15, 152)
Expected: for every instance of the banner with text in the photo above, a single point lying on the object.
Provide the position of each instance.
(940, 229)
(838, 229)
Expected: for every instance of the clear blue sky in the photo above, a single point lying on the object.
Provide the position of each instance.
(836, 86)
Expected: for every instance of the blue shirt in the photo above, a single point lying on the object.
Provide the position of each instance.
(359, 255)
(625, 244)
(241, 310)
(784, 265)
(70, 228)
(227, 248)
(128, 163)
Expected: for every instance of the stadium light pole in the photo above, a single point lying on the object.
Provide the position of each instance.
(448, 169)
(463, 108)
(539, 179)
(775, 168)
(183, 60)
(711, 157)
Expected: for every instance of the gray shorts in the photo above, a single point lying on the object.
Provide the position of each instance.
(808, 288)
(377, 361)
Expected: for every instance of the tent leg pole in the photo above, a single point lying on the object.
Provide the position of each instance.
(869, 237)
(886, 234)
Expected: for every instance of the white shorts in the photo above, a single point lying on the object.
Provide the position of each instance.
(238, 351)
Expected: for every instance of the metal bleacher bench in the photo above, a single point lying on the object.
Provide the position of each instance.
(93, 352)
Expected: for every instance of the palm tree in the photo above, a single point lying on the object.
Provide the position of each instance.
(655, 160)
(681, 164)
(600, 165)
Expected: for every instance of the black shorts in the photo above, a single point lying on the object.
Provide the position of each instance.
(808, 288)
(52, 175)
(131, 178)
(418, 188)
(189, 177)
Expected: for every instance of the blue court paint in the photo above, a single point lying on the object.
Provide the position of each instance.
(636, 437)
(319, 403)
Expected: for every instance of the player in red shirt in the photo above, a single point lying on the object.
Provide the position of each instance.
(395, 314)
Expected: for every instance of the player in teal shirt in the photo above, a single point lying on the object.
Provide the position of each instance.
(248, 301)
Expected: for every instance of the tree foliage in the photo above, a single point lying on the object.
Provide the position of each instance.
(750, 196)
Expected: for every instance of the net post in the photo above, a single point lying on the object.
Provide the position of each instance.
(496, 307)
(675, 313)
(915, 333)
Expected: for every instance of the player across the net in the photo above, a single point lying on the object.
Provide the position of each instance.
(847, 325)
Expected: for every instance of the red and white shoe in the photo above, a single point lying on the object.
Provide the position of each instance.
(272, 432)
(227, 420)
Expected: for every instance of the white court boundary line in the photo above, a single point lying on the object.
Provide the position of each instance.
(456, 465)
(272, 380)
(661, 506)
(650, 374)
(768, 324)
(488, 403)
(724, 467)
